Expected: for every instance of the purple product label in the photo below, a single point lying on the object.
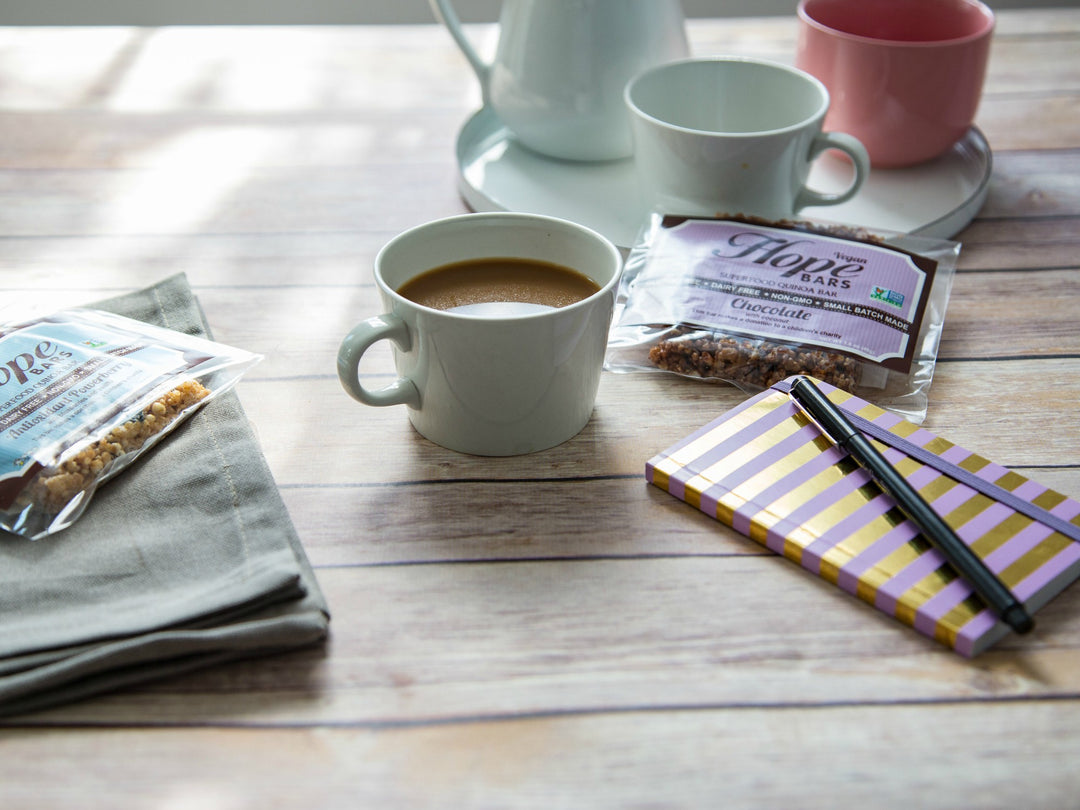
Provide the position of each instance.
(861, 299)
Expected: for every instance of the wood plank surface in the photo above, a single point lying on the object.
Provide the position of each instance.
(694, 758)
(545, 631)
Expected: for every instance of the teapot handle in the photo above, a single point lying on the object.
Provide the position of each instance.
(444, 13)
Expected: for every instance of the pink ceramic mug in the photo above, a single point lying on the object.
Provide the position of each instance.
(905, 77)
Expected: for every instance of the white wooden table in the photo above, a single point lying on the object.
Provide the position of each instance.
(545, 631)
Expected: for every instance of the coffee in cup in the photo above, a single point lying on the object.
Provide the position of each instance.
(733, 135)
(498, 381)
(499, 286)
(905, 78)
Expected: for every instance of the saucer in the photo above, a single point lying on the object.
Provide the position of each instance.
(496, 173)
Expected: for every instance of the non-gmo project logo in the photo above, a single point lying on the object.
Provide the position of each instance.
(891, 297)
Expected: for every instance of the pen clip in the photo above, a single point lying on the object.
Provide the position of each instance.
(825, 414)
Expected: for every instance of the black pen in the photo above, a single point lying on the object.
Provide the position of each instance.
(964, 561)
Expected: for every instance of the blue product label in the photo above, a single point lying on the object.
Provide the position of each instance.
(59, 379)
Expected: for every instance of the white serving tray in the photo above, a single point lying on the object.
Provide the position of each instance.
(496, 173)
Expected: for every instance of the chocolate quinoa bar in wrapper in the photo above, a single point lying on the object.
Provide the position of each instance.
(751, 302)
(84, 393)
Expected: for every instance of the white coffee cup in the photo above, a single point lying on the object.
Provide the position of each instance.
(733, 135)
(490, 386)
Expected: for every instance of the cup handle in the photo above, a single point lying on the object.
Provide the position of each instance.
(444, 13)
(402, 391)
(848, 144)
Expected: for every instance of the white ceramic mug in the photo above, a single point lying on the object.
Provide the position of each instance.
(732, 135)
(560, 66)
(491, 386)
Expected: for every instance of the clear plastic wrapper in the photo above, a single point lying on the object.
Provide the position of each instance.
(83, 394)
(751, 302)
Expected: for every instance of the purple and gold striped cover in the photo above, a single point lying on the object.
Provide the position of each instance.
(766, 470)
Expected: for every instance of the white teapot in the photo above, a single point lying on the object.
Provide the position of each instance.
(560, 67)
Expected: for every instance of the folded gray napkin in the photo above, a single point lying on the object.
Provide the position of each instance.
(186, 559)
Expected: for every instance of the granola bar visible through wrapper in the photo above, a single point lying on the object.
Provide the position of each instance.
(752, 302)
(55, 487)
(749, 363)
(82, 395)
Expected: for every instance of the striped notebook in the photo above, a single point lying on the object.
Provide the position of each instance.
(766, 470)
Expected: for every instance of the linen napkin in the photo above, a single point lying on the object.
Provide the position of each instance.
(187, 558)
